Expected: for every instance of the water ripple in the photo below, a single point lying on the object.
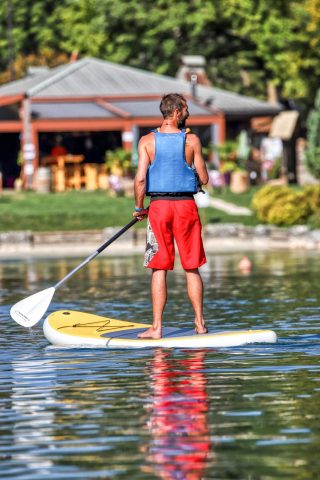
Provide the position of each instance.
(245, 412)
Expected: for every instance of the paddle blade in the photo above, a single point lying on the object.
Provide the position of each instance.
(30, 310)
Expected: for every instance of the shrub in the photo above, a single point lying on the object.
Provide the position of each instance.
(265, 198)
(291, 209)
(312, 193)
(314, 220)
(281, 205)
(313, 148)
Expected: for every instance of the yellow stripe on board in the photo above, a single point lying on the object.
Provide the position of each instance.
(81, 324)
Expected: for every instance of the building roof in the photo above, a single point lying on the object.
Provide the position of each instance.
(91, 77)
(112, 109)
(70, 110)
(235, 104)
(150, 108)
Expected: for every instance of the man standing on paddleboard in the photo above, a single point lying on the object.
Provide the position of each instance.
(170, 169)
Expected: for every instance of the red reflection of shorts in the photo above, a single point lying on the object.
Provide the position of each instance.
(170, 220)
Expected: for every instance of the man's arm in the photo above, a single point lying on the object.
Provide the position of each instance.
(198, 161)
(140, 178)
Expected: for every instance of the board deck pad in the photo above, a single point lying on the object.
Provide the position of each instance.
(68, 327)
(167, 332)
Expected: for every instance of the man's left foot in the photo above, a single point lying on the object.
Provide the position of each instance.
(150, 333)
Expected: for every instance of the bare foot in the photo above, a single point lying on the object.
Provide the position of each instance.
(201, 330)
(150, 333)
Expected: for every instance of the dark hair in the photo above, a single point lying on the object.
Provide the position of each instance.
(171, 102)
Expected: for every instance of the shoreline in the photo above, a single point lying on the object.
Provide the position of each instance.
(218, 238)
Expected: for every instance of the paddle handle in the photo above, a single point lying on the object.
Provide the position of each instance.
(96, 253)
(117, 235)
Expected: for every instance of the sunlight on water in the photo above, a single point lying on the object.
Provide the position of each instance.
(250, 412)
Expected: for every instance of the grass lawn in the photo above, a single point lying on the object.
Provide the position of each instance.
(89, 210)
(242, 199)
(63, 211)
(212, 215)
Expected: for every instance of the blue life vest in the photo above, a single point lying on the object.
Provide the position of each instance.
(169, 172)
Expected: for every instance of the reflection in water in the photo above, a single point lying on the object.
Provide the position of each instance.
(180, 442)
(19, 279)
(82, 414)
(32, 396)
(37, 272)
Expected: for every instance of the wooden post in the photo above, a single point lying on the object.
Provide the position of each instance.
(127, 139)
(28, 147)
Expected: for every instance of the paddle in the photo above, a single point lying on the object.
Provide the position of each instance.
(30, 310)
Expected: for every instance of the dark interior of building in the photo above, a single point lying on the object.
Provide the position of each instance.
(92, 145)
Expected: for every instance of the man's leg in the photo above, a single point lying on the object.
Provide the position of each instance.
(195, 293)
(159, 299)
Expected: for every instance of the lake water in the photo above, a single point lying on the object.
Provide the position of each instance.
(250, 412)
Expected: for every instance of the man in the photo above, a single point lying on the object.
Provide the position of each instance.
(170, 167)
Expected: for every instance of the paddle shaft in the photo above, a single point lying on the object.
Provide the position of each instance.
(96, 253)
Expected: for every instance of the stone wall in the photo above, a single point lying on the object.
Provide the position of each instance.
(216, 237)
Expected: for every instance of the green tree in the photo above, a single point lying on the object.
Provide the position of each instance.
(313, 138)
(34, 26)
(28, 28)
(248, 44)
(83, 26)
(278, 49)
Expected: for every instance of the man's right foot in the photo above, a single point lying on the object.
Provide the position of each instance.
(150, 333)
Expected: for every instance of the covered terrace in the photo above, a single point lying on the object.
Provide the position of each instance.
(91, 106)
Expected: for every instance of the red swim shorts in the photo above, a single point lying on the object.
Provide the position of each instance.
(170, 220)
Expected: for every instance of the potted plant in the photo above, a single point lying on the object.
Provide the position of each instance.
(226, 169)
(226, 153)
(118, 162)
(233, 160)
(239, 180)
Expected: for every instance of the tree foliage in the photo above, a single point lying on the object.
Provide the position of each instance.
(313, 150)
(247, 44)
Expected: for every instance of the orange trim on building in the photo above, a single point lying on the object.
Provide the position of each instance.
(10, 126)
(10, 99)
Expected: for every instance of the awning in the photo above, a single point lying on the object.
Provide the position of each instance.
(284, 124)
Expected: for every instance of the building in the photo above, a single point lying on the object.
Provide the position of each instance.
(92, 105)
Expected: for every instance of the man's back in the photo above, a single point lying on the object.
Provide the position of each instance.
(193, 155)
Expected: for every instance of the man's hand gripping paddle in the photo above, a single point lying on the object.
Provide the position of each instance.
(30, 310)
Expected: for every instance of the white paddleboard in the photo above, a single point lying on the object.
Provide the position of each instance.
(67, 328)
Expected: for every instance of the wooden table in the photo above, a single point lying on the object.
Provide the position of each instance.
(67, 171)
